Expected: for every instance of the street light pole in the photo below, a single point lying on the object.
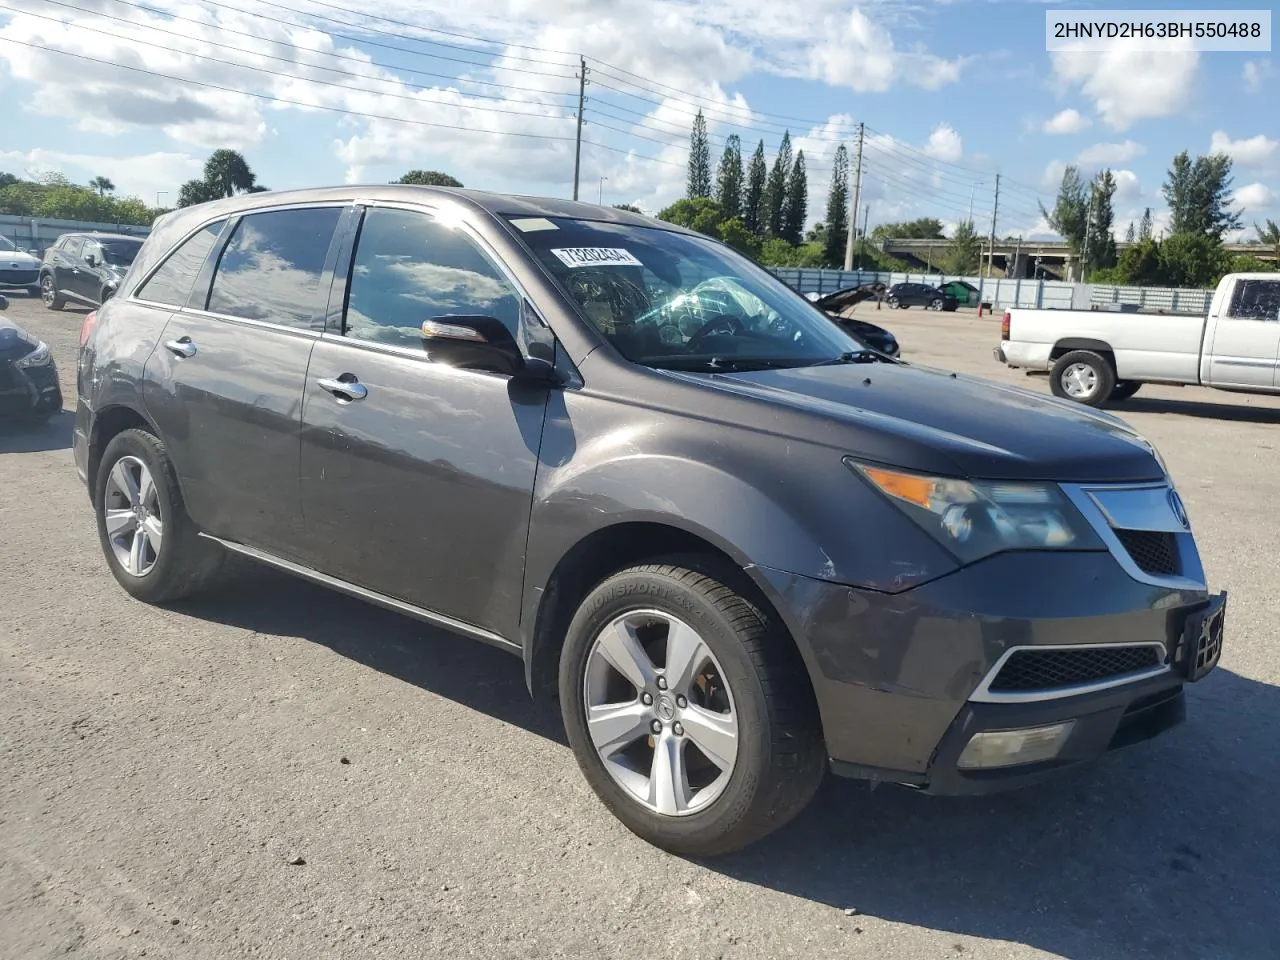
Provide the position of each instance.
(159, 194)
(600, 195)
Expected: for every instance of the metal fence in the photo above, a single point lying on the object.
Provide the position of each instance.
(1003, 293)
(38, 234)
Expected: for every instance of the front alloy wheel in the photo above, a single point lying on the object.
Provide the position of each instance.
(935, 304)
(666, 732)
(49, 293)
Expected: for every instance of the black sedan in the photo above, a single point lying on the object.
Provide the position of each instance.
(28, 378)
(903, 295)
(839, 305)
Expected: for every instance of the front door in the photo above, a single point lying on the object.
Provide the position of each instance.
(66, 268)
(1246, 338)
(88, 279)
(417, 477)
(225, 383)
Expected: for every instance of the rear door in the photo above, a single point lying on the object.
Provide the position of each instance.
(417, 482)
(1246, 336)
(225, 383)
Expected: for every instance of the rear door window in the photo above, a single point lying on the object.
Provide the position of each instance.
(171, 284)
(271, 269)
(73, 247)
(1256, 300)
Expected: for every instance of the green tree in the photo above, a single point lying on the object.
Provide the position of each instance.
(196, 191)
(837, 222)
(1140, 263)
(795, 206)
(102, 185)
(429, 178)
(735, 233)
(1199, 196)
(7, 179)
(1130, 235)
(775, 190)
(1146, 226)
(1102, 241)
(1244, 263)
(699, 184)
(227, 173)
(1070, 214)
(753, 206)
(924, 228)
(965, 251)
(628, 207)
(729, 178)
(698, 213)
(1270, 235)
(1192, 260)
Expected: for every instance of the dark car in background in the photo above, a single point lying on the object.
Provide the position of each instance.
(29, 388)
(839, 306)
(903, 295)
(738, 547)
(86, 268)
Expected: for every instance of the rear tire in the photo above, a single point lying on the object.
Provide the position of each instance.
(747, 675)
(49, 293)
(936, 304)
(1083, 376)
(136, 494)
(1124, 389)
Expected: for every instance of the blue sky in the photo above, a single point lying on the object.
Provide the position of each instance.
(951, 93)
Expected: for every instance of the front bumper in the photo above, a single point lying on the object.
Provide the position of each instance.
(33, 391)
(19, 276)
(899, 678)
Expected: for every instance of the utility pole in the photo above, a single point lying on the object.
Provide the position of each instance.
(600, 195)
(866, 232)
(582, 102)
(1017, 253)
(995, 210)
(853, 206)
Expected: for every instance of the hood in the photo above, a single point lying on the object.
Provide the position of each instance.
(14, 341)
(931, 420)
(18, 258)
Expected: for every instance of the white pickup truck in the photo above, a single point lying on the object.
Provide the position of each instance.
(1093, 356)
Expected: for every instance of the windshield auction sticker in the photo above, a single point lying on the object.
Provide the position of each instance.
(596, 257)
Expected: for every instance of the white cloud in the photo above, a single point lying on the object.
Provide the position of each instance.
(1255, 196)
(1257, 73)
(859, 53)
(945, 144)
(1253, 152)
(1101, 154)
(137, 176)
(1051, 179)
(1130, 85)
(1128, 187)
(1070, 120)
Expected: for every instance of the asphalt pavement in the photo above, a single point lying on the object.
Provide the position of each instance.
(279, 771)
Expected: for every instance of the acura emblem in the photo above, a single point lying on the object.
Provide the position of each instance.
(1179, 511)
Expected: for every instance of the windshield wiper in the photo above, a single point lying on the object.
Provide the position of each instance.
(856, 356)
(722, 364)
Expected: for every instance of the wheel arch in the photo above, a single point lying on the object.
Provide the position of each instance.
(108, 423)
(1070, 344)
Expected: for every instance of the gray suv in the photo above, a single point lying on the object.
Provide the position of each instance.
(738, 546)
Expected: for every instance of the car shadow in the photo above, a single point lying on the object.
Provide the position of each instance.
(1241, 413)
(17, 436)
(1163, 850)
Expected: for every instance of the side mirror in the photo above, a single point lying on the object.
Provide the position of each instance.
(4, 303)
(90, 259)
(472, 342)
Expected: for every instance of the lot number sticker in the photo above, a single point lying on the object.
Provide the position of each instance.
(596, 257)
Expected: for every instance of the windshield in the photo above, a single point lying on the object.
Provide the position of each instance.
(7, 245)
(120, 252)
(673, 301)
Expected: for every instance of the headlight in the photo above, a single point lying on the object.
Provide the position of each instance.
(36, 358)
(975, 519)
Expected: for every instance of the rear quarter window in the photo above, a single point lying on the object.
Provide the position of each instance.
(171, 283)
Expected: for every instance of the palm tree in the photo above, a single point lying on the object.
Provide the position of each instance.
(102, 185)
(227, 173)
(1270, 235)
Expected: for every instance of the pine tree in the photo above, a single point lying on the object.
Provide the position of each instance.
(1102, 242)
(1070, 214)
(1145, 226)
(1130, 235)
(965, 253)
(795, 206)
(699, 159)
(775, 191)
(1199, 196)
(837, 209)
(753, 208)
(729, 178)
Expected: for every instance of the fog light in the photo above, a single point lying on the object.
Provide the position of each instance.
(1009, 748)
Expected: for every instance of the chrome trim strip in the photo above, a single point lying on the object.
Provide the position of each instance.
(1082, 495)
(1242, 362)
(245, 321)
(1137, 508)
(984, 693)
(399, 606)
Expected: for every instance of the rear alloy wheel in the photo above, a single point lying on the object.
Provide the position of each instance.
(690, 716)
(936, 304)
(1083, 376)
(150, 543)
(49, 293)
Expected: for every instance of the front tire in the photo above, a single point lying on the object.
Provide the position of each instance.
(49, 293)
(1083, 376)
(150, 543)
(936, 305)
(689, 713)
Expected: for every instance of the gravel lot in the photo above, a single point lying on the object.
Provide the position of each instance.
(162, 767)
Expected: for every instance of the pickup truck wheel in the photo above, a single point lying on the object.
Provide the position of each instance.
(1083, 376)
(690, 715)
(150, 543)
(1124, 389)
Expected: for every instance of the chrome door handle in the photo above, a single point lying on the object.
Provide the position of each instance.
(344, 390)
(182, 347)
